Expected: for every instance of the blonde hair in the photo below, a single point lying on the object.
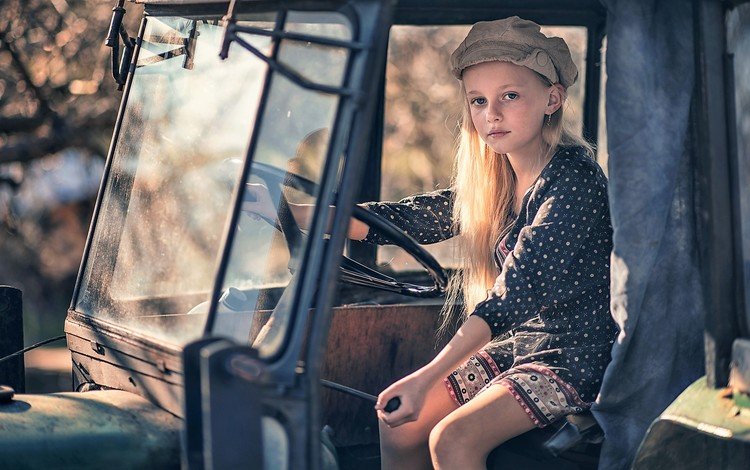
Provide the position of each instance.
(484, 189)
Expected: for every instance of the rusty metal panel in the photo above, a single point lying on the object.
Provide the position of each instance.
(109, 357)
(121, 339)
(163, 394)
(369, 348)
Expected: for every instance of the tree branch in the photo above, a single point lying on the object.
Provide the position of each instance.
(29, 149)
(21, 124)
(33, 147)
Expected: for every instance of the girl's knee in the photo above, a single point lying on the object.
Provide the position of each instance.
(450, 444)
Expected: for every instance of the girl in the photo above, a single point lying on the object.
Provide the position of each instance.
(530, 206)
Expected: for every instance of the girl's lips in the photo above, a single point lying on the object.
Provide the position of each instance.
(498, 133)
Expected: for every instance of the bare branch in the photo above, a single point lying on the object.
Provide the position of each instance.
(32, 147)
(21, 124)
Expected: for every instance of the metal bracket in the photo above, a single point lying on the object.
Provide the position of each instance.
(120, 66)
(577, 429)
(11, 338)
(739, 370)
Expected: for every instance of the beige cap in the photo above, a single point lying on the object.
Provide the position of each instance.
(520, 42)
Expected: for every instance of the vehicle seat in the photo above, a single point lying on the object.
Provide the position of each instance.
(570, 444)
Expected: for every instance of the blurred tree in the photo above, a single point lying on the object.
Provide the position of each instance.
(58, 102)
(55, 88)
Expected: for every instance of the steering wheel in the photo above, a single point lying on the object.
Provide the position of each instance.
(352, 271)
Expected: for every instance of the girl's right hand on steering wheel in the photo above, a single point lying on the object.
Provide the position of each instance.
(411, 390)
(257, 202)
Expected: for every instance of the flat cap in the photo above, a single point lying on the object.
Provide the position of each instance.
(517, 41)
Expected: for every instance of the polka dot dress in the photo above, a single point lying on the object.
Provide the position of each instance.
(550, 302)
(425, 217)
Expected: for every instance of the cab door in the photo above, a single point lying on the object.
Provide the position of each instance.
(252, 382)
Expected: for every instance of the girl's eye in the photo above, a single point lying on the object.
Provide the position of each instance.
(510, 96)
(478, 101)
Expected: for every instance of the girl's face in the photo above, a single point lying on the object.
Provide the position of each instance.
(508, 105)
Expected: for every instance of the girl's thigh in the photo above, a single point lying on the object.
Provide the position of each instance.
(438, 404)
(488, 420)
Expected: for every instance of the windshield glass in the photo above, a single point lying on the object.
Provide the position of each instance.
(290, 151)
(187, 125)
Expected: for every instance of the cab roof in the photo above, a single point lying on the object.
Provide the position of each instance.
(520, 6)
(424, 12)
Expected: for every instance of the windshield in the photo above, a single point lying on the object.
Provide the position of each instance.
(290, 152)
(188, 122)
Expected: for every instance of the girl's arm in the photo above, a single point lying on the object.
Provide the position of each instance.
(262, 205)
(428, 218)
(412, 389)
(303, 213)
(425, 217)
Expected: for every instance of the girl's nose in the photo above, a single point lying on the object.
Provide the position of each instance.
(493, 112)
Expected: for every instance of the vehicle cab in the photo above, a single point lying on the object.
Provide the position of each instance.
(226, 338)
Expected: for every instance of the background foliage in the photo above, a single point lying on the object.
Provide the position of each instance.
(58, 105)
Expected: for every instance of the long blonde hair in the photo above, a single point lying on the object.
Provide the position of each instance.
(483, 205)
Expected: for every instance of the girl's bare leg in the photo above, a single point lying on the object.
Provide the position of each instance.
(465, 437)
(405, 446)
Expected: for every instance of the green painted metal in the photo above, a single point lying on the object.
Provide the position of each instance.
(100, 429)
(703, 429)
(742, 400)
(711, 411)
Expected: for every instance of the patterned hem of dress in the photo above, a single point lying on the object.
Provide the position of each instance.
(468, 380)
(542, 394)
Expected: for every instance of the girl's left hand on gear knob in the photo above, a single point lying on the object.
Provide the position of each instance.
(411, 390)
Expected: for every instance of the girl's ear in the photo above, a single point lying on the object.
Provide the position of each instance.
(556, 98)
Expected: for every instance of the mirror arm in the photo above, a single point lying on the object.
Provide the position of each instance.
(119, 67)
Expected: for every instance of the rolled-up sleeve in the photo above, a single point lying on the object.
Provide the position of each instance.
(557, 257)
(425, 217)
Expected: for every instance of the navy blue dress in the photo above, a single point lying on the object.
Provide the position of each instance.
(549, 309)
